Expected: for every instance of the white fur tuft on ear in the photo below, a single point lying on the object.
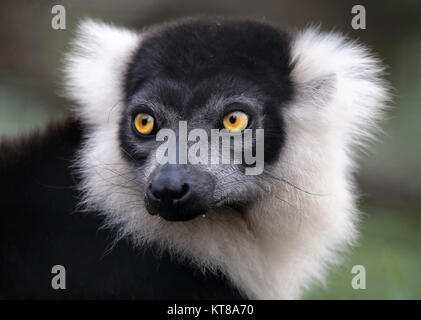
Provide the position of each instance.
(357, 93)
(95, 68)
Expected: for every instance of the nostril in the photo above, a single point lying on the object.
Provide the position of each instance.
(184, 190)
(155, 194)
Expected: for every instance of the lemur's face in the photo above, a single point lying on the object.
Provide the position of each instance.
(212, 76)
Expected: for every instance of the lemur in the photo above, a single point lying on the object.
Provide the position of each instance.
(88, 193)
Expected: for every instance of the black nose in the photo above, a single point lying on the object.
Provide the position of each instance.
(179, 192)
(169, 188)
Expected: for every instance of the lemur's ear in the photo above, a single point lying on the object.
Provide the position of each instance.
(95, 67)
(339, 82)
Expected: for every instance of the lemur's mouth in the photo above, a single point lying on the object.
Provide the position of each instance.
(175, 211)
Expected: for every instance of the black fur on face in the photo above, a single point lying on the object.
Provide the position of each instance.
(181, 69)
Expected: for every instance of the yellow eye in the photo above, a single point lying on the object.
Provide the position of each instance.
(236, 121)
(144, 123)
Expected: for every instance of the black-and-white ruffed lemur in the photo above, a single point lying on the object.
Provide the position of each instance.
(88, 193)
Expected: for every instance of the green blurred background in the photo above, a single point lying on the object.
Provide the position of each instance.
(390, 176)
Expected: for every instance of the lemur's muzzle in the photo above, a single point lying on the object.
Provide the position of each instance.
(179, 192)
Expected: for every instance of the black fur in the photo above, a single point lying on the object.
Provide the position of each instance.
(40, 227)
(182, 65)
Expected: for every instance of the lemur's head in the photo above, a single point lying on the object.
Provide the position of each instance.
(232, 75)
(297, 103)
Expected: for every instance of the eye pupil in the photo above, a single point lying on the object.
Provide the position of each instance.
(144, 121)
(233, 119)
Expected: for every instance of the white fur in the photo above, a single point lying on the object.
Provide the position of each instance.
(95, 69)
(280, 247)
